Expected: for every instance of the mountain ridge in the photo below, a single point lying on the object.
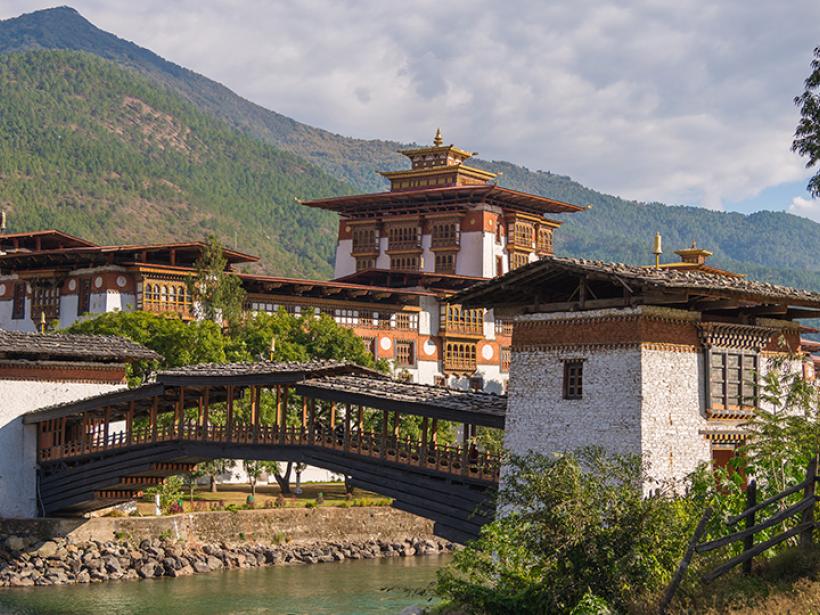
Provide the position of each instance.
(772, 246)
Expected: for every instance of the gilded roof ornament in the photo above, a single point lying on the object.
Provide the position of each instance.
(438, 140)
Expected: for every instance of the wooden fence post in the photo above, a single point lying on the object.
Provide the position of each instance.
(684, 564)
(749, 541)
(808, 514)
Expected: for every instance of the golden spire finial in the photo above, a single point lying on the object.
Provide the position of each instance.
(437, 140)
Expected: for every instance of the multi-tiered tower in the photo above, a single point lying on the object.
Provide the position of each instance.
(441, 216)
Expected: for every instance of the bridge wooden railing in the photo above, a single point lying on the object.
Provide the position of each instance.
(465, 461)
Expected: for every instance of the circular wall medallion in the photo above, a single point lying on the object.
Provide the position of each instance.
(72, 285)
(385, 343)
(2, 289)
(429, 348)
(487, 352)
(121, 281)
(98, 281)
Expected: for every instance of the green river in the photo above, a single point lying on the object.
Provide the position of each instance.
(343, 588)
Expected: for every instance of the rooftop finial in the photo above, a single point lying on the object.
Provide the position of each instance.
(438, 140)
(657, 250)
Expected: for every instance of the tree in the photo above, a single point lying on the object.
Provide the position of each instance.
(191, 478)
(217, 295)
(213, 468)
(576, 525)
(807, 135)
(179, 343)
(283, 480)
(255, 468)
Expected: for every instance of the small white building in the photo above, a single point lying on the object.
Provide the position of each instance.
(662, 362)
(42, 370)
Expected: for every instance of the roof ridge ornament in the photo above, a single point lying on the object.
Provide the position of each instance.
(438, 139)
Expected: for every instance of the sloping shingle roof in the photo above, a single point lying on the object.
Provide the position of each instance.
(100, 348)
(497, 289)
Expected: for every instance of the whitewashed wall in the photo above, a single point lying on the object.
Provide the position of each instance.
(18, 442)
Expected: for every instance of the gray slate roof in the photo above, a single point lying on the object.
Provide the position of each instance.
(385, 393)
(290, 370)
(92, 348)
(713, 284)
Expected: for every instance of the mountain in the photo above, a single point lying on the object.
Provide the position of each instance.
(99, 151)
(772, 246)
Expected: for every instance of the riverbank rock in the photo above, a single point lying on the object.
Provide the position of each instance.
(59, 562)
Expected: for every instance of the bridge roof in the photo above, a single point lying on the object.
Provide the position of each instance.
(444, 403)
(260, 372)
(214, 375)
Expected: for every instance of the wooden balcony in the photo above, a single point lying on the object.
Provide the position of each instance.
(365, 248)
(443, 243)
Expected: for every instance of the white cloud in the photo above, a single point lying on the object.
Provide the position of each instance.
(684, 102)
(808, 208)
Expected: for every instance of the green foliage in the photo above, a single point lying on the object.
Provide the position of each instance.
(178, 342)
(217, 295)
(577, 524)
(590, 604)
(170, 490)
(807, 135)
(104, 153)
(784, 436)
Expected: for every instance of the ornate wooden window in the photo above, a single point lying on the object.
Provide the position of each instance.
(444, 235)
(403, 237)
(18, 306)
(506, 357)
(446, 262)
(518, 259)
(503, 327)
(365, 262)
(460, 356)
(454, 319)
(405, 263)
(45, 299)
(365, 240)
(543, 242)
(372, 348)
(405, 353)
(733, 380)
(522, 233)
(573, 379)
(406, 320)
(164, 296)
(83, 296)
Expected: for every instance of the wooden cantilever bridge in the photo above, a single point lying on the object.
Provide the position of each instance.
(104, 450)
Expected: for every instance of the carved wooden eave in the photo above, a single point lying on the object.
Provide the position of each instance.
(741, 337)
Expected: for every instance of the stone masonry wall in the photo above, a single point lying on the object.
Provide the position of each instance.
(294, 525)
(673, 415)
(540, 419)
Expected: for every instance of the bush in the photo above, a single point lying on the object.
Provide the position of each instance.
(578, 527)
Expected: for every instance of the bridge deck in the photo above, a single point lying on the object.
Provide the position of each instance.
(106, 449)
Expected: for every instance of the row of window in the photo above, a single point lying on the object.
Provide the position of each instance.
(45, 299)
(408, 321)
(165, 296)
(455, 319)
(732, 380)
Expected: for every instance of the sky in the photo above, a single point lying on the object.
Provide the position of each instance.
(685, 102)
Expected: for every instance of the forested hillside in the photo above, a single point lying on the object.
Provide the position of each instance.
(767, 245)
(98, 151)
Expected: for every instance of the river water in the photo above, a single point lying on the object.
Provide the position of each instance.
(360, 587)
